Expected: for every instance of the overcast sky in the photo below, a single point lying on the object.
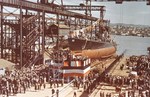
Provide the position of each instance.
(128, 12)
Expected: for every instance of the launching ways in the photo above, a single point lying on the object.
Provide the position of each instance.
(23, 31)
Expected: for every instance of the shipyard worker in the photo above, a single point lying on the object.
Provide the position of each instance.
(44, 82)
(121, 67)
(107, 95)
(62, 82)
(0, 88)
(75, 94)
(57, 93)
(24, 86)
(101, 94)
(53, 91)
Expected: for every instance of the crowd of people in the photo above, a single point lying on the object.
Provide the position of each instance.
(136, 85)
(89, 84)
(131, 30)
(19, 81)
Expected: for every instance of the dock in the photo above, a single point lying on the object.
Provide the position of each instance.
(112, 67)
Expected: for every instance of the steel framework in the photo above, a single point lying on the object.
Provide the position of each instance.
(23, 36)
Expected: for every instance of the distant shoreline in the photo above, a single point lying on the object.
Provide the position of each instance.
(129, 35)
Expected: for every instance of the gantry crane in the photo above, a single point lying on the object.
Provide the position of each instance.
(23, 38)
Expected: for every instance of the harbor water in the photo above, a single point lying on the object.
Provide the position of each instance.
(132, 44)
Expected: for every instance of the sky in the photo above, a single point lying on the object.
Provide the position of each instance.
(128, 12)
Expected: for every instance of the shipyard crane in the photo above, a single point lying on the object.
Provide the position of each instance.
(87, 7)
(27, 31)
(121, 1)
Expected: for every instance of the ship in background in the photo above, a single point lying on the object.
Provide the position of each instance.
(89, 42)
(92, 40)
(97, 45)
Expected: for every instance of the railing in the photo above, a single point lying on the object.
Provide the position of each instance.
(113, 64)
(33, 35)
(11, 21)
(31, 39)
(84, 44)
(35, 59)
(65, 90)
(14, 2)
(77, 7)
(31, 19)
(48, 53)
(74, 67)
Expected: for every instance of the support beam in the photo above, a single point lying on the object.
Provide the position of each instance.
(75, 23)
(1, 22)
(83, 8)
(43, 35)
(42, 7)
(101, 14)
(21, 37)
(148, 2)
(119, 1)
(58, 31)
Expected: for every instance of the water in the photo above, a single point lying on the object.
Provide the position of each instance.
(133, 44)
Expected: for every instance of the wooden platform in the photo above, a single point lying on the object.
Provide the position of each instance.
(116, 71)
